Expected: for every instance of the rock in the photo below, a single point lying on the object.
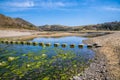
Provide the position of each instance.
(11, 58)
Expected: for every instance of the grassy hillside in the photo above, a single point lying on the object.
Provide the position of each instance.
(8, 22)
(111, 26)
(55, 28)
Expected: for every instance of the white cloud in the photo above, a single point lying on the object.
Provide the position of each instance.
(51, 4)
(55, 4)
(36, 4)
(17, 5)
(112, 8)
(21, 4)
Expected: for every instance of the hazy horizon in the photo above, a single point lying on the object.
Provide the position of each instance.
(63, 12)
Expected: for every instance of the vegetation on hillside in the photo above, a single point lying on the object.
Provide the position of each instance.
(55, 28)
(105, 26)
(109, 26)
(8, 22)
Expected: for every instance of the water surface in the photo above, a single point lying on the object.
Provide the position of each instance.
(45, 63)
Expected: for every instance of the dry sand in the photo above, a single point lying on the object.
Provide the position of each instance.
(29, 34)
(13, 33)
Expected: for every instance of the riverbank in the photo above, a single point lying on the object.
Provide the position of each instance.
(106, 64)
(30, 34)
(22, 34)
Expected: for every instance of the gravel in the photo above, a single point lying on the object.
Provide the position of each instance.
(106, 64)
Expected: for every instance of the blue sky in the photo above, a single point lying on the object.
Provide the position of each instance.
(64, 12)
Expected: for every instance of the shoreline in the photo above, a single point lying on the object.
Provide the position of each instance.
(106, 64)
(27, 35)
(15, 34)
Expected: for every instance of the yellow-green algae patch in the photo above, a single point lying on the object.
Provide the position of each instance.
(62, 66)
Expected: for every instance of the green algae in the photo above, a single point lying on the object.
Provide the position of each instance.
(39, 66)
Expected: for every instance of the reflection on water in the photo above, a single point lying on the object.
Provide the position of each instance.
(44, 63)
(68, 40)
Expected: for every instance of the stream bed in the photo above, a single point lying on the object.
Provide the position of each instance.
(28, 62)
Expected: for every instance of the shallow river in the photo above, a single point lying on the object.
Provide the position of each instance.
(44, 63)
